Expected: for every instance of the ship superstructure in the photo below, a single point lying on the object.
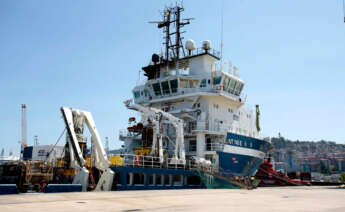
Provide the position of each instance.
(195, 87)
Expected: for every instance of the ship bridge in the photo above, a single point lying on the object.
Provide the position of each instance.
(195, 75)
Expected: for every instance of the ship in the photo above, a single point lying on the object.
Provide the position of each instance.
(194, 129)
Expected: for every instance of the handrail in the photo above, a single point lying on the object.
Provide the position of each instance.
(153, 162)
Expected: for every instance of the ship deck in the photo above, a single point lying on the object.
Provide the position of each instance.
(261, 199)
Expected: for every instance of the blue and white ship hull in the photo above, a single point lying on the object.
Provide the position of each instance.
(242, 155)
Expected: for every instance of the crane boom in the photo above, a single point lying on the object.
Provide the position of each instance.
(74, 120)
(155, 115)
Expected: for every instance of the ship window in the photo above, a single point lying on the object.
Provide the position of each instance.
(152, 179)
(173, 85)
(129, 178)
(203, 83)
(184, 83)
(139, 178)
(208, 81)
(232, 86)
(192, 146)
(216, 80)
(193, 180)
(147, 93)
(177, 179)
(165, 87)
(208, 144)
(225, 83)
(167, 181)
(235, 117)
(193, 83)
(238, 88)
(136, 94)
(159, 179)
(157, 89)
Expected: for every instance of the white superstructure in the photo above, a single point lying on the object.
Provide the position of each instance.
(192, 84)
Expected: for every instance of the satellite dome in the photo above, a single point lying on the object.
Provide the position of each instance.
(206, 45)
(190, 45)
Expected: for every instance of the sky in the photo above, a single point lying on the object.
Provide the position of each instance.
(87, 55)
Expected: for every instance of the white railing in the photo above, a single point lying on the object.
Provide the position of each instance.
(215, 127)
(214, 147)
(201, 125)
(202, 51)
(153, 162)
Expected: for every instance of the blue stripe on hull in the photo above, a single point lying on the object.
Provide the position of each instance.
(241, 165)
(247, 142)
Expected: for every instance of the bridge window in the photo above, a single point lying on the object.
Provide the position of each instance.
(157, 89)
(136, 94)
(146, 92)
(232, 86)
(193, 83)
(225, 83)
(165, 87)
(239, 88)
(173, 85)
(184, 83)
(203, 83)
(217, 80)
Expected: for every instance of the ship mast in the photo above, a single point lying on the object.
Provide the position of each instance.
(173, 40)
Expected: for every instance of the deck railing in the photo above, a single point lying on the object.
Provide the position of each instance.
(153, 162)
(214, 146)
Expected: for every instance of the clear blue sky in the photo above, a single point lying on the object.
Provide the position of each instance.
(87, 54)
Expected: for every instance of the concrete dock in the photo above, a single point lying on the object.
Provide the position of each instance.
(261, 199)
